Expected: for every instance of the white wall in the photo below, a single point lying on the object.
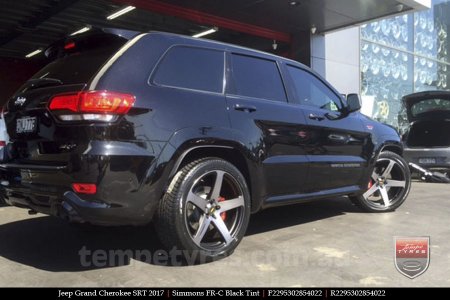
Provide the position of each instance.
(336, 57)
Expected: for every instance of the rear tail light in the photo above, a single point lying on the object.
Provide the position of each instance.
(69, 46)
(91, 105)
(85, 188)
(2, 143)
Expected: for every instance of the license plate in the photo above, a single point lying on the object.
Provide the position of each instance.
(26, 125)
(427, 160)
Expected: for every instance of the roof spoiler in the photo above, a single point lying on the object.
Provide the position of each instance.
(56, 47)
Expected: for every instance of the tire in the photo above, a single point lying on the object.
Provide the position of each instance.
(205, 211)
(389, 185)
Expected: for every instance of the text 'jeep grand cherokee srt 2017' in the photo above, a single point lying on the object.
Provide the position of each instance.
(194, 134)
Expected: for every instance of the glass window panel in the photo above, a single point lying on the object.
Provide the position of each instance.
(401, 55)
(387, 75)
(192, 68)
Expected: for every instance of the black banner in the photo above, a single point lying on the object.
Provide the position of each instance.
(256, 293)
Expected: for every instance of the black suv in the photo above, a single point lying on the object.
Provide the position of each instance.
(126, 128)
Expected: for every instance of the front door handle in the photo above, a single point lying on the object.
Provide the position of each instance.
(337, 137)
(316, 117)
(245, 108)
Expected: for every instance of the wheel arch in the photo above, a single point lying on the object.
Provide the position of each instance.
(186, 146)
(225, 152)
(395, 147)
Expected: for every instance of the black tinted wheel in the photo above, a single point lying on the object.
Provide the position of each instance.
(205, 210)
(389, 184)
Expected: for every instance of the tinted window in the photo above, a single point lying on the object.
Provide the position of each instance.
(259, 78)
(311, 91)
(430, 105)
(192, 68)
(83, 61)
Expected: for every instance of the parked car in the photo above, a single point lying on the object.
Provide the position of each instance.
(3, 141)
(3, 135)
(427, 139)
(125, 128)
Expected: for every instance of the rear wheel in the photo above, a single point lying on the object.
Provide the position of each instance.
(206, 210)
(389, 184)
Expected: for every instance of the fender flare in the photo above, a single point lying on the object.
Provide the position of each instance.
(184, 141)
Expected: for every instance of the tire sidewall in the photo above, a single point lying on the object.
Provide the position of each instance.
(364, 203)
(181, 197)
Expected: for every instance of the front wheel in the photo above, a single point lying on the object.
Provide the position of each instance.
(206, 210)
(388, 186)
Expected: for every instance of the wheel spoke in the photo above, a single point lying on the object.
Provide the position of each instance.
(395, 183)
(217, 185)
(197, 201)
(374, 176)
(388, 169)
(221, 227)
(203, 226)
(370, 191)
(384, 195)
(231, 204)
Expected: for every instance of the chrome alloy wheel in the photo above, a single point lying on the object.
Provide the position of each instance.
(387, 184)
(214, 211)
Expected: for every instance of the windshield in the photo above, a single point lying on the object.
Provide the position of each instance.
(430, 105)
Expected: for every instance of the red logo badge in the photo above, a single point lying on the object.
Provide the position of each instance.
(412, 255)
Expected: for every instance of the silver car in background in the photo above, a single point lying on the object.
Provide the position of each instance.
(427, 139)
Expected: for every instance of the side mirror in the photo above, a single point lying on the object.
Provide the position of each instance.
(353, 103)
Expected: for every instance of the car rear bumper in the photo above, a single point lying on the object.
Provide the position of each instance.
(122, 197)
(430, 158)
(69, 206)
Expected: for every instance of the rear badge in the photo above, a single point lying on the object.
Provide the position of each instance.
(20, 101)
(370, 127)
(412, 255)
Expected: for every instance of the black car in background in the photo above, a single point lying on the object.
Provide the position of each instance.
(126, 128)
(427, 139)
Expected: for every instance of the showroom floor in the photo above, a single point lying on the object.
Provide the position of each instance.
(325, 243)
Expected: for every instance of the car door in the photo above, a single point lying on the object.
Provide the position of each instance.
(337, 151)
(270, 127)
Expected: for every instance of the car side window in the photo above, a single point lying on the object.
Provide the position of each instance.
(311, 91)
(191, 68)
(257, 77)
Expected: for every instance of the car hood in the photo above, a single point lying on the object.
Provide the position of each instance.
(410, 100)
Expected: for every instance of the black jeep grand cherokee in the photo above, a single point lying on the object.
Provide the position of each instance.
(125, 128)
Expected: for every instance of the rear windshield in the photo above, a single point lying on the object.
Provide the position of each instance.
(80, 63)
(429, 105)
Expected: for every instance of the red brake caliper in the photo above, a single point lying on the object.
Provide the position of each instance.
(224, 214)
(370, 184)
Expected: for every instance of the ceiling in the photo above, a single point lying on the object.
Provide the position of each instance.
(31, 24)
(281, 15)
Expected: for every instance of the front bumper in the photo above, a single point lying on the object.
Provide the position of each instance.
(429, 158)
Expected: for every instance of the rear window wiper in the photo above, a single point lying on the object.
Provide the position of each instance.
(41, 82)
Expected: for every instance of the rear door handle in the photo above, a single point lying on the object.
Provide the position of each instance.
(245, 108)
(316, 117)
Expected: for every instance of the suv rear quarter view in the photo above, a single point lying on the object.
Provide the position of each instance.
(126, 128)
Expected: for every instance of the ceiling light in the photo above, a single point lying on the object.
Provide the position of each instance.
(84, 29)
(206, 32)
(294, 3)
(120, 12)
(33, 53)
